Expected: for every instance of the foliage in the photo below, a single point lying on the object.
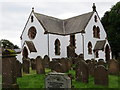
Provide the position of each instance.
(111, 23)
(34, 80)
(8, 45)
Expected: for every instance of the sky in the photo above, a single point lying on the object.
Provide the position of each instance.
(14, 13)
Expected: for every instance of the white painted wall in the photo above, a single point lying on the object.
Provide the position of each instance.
(40, 41)
(88, 36)
(64, 42)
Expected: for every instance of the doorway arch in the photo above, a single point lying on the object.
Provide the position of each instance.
(25, 52)
(107, 53)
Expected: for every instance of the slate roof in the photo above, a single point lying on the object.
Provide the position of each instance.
(100, 45)
(64, 27)
(31, 46)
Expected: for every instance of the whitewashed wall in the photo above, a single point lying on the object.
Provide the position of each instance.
(64, 42)
(40, 41)
(88, 36)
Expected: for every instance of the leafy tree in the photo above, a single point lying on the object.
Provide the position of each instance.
(111, 23)
(7, 44)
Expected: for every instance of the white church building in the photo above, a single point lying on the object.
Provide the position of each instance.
(83, 34)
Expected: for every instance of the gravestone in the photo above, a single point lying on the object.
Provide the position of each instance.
(9, 72)
(113, 67)
(18, 68)
(64, 63)
(88, 61)
(46, 61)
(26, 66)
(82, 73)
(58, 67)
(39, 65)
(101, 75)
(101, 62)
(57, 80)
(33, 64)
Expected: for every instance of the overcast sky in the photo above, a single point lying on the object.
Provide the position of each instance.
(14, 13)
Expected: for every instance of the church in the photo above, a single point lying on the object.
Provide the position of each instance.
(57, 38)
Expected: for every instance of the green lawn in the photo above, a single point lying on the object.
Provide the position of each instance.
(34, 80)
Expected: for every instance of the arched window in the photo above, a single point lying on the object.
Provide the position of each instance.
(95, 18)
(89, 48)
(72, 40)
(57, 47)
(96, 54)
(98, 32)
(31, 18)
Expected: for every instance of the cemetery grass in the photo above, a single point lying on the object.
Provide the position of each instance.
(34, 80)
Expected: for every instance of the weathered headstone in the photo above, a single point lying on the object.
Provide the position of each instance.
(39, 66)
(57, 80)
(101, 75)
(46, 61)
(64, 63)
(101, 62)
(33, 64)
(82, 73)
(18, 68)
(113, 67)
(58, 67)
(26, 66)
(9, 72)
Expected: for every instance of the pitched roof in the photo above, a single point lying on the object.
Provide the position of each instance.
(31, 46)
(64, 27)
(100, 45)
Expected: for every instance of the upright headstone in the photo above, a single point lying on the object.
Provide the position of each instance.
(58, 67)
(26, 66)
(82, 73)
(33, 64)
(101, 75)
(57, 80)
(18, 68)
(39, 65)
(64, 63)
(113, 67)
(101, 62)
(46, 61)
(9, 72)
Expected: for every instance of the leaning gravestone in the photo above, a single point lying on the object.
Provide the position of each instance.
(101, 75)
(113, 67)
(57, 80)
(82, 73)
(39, 66)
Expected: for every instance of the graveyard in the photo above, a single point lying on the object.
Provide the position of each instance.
(59, 73)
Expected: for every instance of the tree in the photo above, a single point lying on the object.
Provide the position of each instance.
(8, 45)
(111, 23)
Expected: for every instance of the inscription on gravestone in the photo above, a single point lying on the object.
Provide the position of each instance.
(57, 80)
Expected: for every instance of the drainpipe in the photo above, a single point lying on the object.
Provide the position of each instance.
(48, 44)
(83, 43)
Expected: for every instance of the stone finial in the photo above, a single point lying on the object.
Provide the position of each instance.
(94, 7)
(32, 9)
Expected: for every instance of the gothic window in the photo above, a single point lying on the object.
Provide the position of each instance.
(96, 54)
(72, 40)
(57, 47)
(95, 18)
(98, 32)
(32, 33)
(31, 18)
(89, 48)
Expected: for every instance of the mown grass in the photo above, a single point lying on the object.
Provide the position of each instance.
(34, 80)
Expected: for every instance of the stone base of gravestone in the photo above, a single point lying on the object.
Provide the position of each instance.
(56, 81)
(11, 86)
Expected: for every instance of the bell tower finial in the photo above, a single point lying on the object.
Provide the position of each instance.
(94, 7)
(32, 9)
